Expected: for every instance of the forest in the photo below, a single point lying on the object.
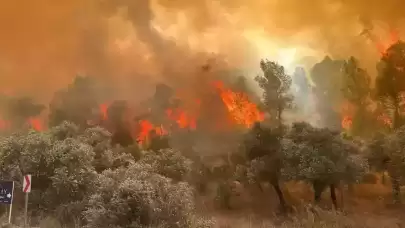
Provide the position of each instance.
(180, 159)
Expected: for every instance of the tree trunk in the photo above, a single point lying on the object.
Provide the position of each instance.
(396, 190)
(280, 195)
(333, 195)
(318, 188)
(350, 188)
(395, 121)
(341, 190)
(383, 180)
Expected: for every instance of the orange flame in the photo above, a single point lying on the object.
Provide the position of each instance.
(4, 125)
(384, 118)
(182, 119)
(145, 128)
(239, 107)
(103, 110)
(347, 112)
(382, 48)
(347, 122)
(36, 124)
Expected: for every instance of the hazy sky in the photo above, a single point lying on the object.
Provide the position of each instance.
(134, 43)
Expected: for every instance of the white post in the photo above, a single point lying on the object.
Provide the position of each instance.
(26, 210)
(11, 205)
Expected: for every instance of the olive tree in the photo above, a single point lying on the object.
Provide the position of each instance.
(263, 152)
(322, 158)
(387, 154)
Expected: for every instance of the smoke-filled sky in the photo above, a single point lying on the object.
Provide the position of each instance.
(132, 44)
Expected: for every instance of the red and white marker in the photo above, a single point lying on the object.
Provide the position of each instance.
(27, 184)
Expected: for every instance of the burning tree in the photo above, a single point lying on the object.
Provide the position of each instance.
(119, 124)
(20, 112)
(275, 84)
(390, 83)
(356, 87)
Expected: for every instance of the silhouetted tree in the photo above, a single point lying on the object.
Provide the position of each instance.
(19, 109)
(356, 88)
(77, 104)
(327, 77)
(119, 125)
(275, 84)
(390, 83)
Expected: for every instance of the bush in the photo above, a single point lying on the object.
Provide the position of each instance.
(138, 197)
(169, 163)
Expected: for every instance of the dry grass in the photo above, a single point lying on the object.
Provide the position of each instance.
(315, 218)
(367, 206)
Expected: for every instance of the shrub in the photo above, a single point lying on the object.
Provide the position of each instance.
(169, 163)
(138, 197)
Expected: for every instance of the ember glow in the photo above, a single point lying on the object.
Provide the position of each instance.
(384, 118)
(347, 113)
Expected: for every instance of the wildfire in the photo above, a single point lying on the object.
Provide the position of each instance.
(182, 119)
(382, 48)
(385, 119)
(239, 107)
(145, 128)
(347, 113)
(103, 110)
(36, 124)
(4, 124)
(347, 122)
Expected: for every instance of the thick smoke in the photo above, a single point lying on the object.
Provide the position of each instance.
(133, 44)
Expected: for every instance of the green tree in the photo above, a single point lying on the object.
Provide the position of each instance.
(386, 153)
(275, 84)
(327, 77)
(356, 88)
(322, 158)
(390, 83)
(263, 151)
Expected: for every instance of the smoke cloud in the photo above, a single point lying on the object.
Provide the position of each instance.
(133, 44)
